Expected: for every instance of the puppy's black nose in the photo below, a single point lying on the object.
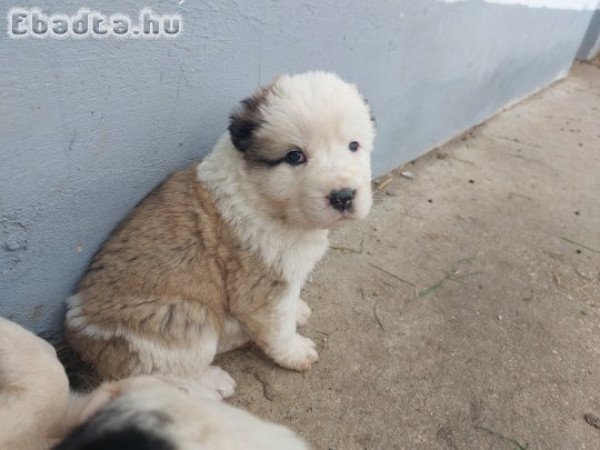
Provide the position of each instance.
(341, 199)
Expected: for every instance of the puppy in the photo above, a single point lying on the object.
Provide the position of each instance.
(145, 413)
(36, 406)
(38, 412)
(216, 256)
(34, 390)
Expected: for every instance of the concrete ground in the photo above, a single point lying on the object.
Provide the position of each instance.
(465, 312)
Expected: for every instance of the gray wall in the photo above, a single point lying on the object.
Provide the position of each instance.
(88, 127)
(590, 45)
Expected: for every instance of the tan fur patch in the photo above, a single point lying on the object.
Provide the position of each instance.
(170, 271)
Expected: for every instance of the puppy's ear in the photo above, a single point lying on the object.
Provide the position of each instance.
(241, 130)
(247, 119)
(90, 437)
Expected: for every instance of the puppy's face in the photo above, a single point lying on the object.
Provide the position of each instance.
(306, 140)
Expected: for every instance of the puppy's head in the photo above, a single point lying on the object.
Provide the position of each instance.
(148, 413)
(306, 141)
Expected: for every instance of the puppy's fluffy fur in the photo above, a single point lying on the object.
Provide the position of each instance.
(34, 390)
(144, 413)
(36, 406)
(216, 256)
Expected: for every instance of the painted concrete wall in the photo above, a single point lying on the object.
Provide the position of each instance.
(88, 127)
(590, 45)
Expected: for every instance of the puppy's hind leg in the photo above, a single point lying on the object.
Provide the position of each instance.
(212, 377)
(233, 335)
(201, 375)
(217, 380)
(181, 345)
(213, 382)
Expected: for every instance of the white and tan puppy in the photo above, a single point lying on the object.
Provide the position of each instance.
(216, 256)
(145, 413)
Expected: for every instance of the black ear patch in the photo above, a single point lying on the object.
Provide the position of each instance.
(247, 119)
(119, 427)
(128, 438)
(241, 131)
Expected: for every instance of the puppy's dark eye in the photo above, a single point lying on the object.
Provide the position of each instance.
(295, 157)
(353, 146)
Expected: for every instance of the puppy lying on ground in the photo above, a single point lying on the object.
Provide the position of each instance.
(216, 256)
(142, 413)
(146, 413)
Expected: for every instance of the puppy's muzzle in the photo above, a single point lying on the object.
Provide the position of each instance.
(341, 199)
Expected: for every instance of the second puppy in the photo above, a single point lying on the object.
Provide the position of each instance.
(145, 413)
(216, 256)
(38, 412)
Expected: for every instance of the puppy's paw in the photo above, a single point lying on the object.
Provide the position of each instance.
(303, 312)
(298, 354)
(216, 379)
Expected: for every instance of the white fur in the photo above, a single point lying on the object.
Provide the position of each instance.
(233, 335)
(197, 422)
(281, 341)
(320, 114)
(36, 406)
(33, 390)
(292, 252)
(303, 312)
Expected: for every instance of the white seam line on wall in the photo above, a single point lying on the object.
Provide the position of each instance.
(573, 5)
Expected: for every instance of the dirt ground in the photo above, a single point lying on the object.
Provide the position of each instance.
(465, 312)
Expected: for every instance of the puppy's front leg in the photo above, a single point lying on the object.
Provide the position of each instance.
(273, 328)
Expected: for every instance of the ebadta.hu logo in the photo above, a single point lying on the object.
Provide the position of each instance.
(27, 23)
